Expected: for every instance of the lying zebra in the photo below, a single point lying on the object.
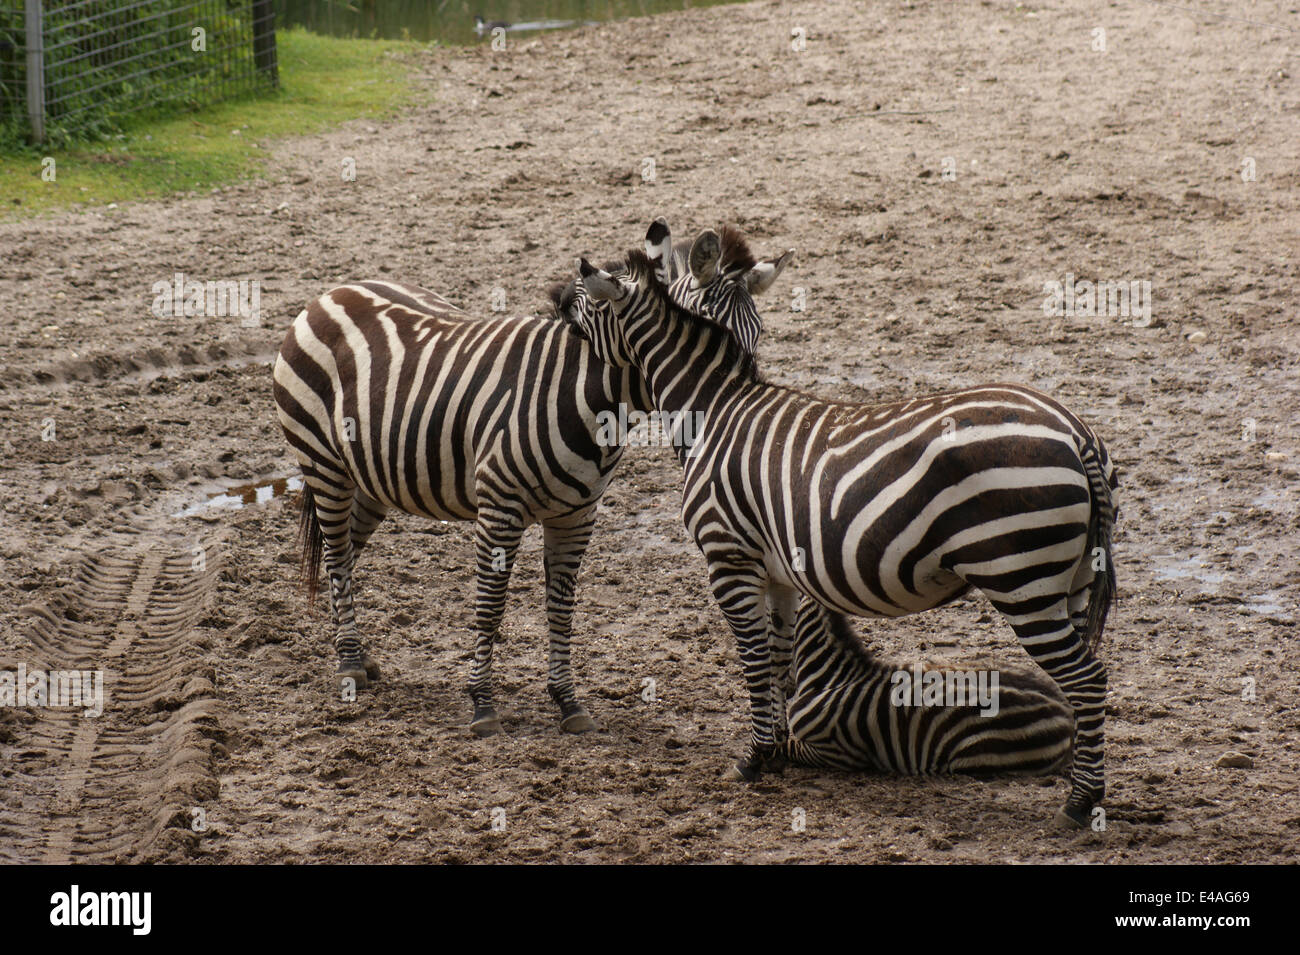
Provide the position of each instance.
(852, 711)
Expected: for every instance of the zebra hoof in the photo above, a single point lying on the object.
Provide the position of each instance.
(485, 723)
(351, 678)
(578, 722)
(1070, 819)
(372, 668)
(740, 773)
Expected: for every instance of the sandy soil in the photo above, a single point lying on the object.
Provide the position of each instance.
(222, 741)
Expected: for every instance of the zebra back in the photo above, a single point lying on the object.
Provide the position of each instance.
(392, 390)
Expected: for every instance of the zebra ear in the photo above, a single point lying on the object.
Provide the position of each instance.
(659, 249)
(760, 278)
(706, 251)
(600, 285)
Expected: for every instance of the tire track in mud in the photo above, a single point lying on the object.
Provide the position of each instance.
(138, 366)
(120, 786)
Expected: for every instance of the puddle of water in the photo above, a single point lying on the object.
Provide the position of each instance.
(1269, 604)
(1275, 501)
(244, 495)
(1169, 567)
(65, 375)
(866, 381)
(175, 369)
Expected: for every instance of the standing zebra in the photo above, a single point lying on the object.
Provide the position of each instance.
(847, 712)
(882, 510)
(391, 397)
(715, 275)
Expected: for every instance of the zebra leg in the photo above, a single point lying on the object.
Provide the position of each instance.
(366, 515)
(333, 514)
(741, 595)
(784, 604)
(496, 542)
(564, 546)
(1061, 650)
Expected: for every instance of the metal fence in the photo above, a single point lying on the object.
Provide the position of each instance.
(69, 69)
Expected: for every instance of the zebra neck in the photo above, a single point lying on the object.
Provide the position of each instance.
(607, 387)
(825, 644)
(830, 664)
(690, 365)
(631, 388)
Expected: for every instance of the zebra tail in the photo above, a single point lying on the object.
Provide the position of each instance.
(312, 542)
(1100, 528)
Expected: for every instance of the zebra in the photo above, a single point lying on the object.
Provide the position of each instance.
(852, 711)
(879, 511)
(393, 398)
(715, 274)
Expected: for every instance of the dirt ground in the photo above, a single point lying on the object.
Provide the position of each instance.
(222, 739)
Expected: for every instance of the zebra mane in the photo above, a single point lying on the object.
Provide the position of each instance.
(736, 256)
(842, 632)
(642, 271)
(558, 294)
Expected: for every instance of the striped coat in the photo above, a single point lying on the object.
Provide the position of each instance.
(881, 510)
(393, 398)
(852, 711)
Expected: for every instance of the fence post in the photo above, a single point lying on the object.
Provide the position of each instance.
(264, 57)
(36, 70)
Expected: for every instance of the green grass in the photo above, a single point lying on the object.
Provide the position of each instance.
(324, 81)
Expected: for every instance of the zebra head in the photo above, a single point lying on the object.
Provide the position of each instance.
(638, 305)
(716, 276)
(593, 318)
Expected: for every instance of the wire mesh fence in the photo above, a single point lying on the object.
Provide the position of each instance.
(71, 68)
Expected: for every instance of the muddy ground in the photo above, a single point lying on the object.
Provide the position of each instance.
(222, 740)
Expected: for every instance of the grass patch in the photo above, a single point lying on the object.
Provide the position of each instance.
(324, 81)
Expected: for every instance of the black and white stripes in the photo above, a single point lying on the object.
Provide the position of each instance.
(880, 511)
(392, 398)
(852, 711)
